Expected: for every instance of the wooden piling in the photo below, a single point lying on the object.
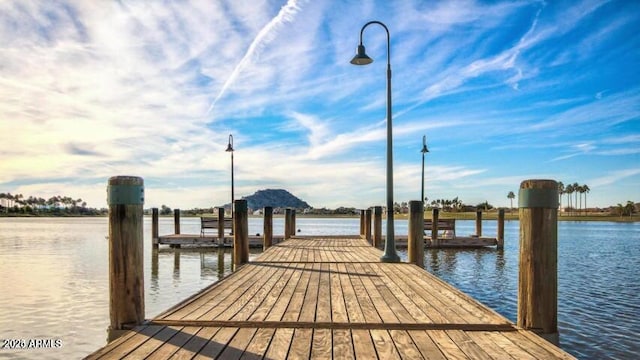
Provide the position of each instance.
(125, 197)
(220, 226)
(267, 231)
(435, 213)
(287, 223)
(367, 225)
(538, 275)
(478, 223)
(415, 240)
(240, 233)
(154, 227)
(362, 214)
(176, 221)
(500, 233)
(293, 222)
(377, 226)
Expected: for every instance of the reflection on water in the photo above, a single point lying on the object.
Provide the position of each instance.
(55, 279)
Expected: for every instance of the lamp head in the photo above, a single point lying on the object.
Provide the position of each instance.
(424, 144)
(361, 57)
(230, 146)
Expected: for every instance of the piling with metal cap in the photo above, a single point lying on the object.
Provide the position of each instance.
(125, 197)
(538, 274)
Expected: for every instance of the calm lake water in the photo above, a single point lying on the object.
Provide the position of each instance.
(55, 279)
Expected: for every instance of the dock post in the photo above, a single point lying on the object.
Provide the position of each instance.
(538, 275)
(125, 197)
(435, 242)
(267, 231)
(367, 225)
(362, 215)
(176, 225)
(293, 222)
(220, 226)
(478, 223)
(176, 221)
(240, 233)
(154, 228)
(377, 226)
(415, 239)
(500, 235)
(287, 223)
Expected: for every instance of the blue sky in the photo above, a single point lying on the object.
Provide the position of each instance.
(503, 90)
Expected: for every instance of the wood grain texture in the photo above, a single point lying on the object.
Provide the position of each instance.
(330, 297)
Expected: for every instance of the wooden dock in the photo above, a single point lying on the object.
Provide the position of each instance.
(329, 297)
(255, 241)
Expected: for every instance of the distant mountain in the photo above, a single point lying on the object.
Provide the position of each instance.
(274, 198)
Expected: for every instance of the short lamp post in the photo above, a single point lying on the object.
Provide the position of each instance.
(423, 151)
(230, 150)
(362, 58)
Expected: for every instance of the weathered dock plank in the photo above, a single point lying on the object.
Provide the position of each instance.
(329, 298)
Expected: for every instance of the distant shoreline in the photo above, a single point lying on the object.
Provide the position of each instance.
(492, 215)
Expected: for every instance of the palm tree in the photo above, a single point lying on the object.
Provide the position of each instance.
(560, 193)
(511, 196)
(569, 190)
(579, 192)
(586, 190)
(576, 188)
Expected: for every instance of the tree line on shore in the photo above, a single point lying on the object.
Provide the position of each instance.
(67, 206)
(55, 205)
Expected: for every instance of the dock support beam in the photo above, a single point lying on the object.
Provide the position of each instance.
(367, 225)
(478, 223)
(435, 214)
(377, 226)
(362, 215)
(125, 197)
(221, 226)
(240, 233)
(267, 230)
(154, 228)
(415, 240)
(500, 235)
(538, 275)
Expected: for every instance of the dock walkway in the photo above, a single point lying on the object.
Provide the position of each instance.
(329, 298)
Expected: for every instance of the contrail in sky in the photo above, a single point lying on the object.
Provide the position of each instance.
(286, 13)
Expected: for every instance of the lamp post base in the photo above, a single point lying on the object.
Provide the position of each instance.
(390, 258)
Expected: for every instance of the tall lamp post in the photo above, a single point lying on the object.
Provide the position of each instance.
(230, 149)
(362, 58)
(423, 151)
